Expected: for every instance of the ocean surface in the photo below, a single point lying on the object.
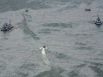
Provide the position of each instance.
(74, 43)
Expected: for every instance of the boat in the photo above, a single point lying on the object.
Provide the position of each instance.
(98, 22)
(6, 27)
(87, 9)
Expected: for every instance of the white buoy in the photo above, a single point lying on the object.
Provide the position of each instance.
(43, 52)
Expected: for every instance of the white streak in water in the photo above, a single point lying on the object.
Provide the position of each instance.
(45, 59)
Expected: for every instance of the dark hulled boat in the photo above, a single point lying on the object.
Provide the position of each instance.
(98, 22)
(6, 27)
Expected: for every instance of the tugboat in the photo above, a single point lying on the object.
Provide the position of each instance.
(6, 27)
(98, 22)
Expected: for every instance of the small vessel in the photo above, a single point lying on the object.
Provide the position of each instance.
(6, 27)
(26, 10)
(98, 22)
(87, 9)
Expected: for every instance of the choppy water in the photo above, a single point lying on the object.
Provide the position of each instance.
(74, 45)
